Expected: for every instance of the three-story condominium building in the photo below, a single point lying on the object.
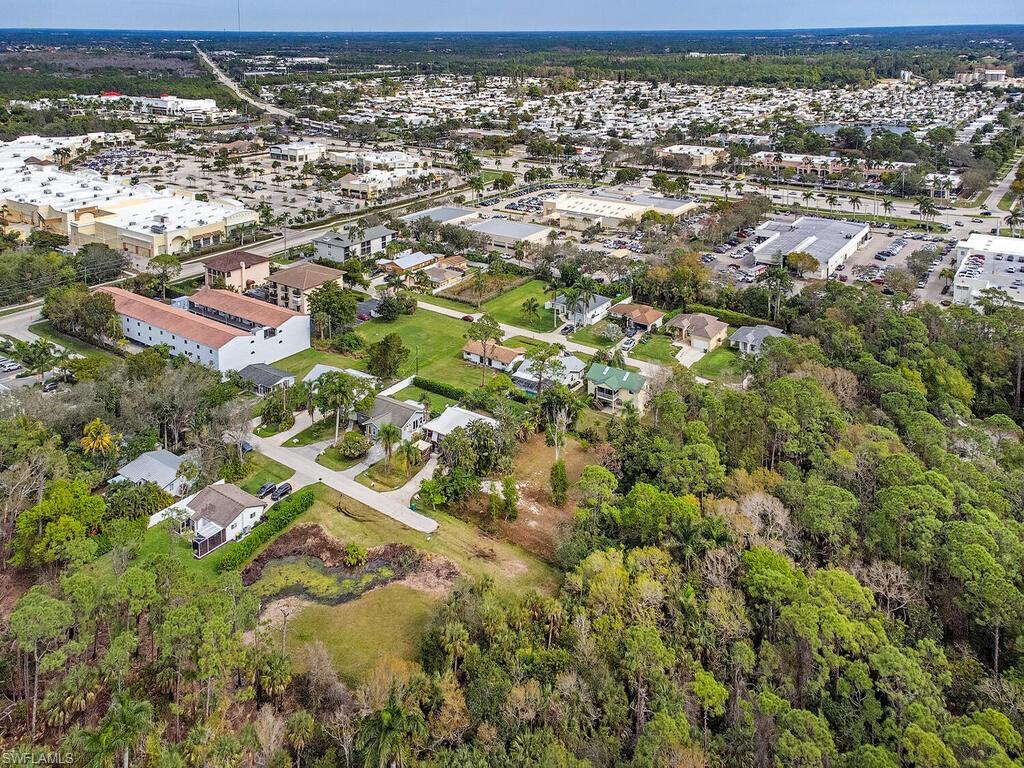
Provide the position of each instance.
(219, 329)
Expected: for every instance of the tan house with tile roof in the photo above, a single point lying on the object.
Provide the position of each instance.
(700, 331)
(641, 316)
(498, 357)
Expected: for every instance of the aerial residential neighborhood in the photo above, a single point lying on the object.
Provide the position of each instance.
(374, 395)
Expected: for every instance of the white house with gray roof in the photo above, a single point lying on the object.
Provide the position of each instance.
(749, 339)
(159, 467)
(353, 244)
(408, 415)
(596, 309)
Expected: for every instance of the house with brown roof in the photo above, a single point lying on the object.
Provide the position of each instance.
(239, 270)
(220, 329)
(699, 330)
(217, 514)
(497, 357)
(639, 316)
(291, 287)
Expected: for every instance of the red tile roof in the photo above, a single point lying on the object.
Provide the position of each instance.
(232, 303)
(207, 332)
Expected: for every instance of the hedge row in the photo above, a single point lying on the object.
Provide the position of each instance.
(439, 388)
(278, 518)
(729, 316)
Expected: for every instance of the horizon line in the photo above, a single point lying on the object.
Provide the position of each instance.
(618, 30)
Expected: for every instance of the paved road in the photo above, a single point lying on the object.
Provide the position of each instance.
(395, 505)
(221, 75)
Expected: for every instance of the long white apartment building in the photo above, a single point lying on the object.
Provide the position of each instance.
(87, 208)
(220, 329)
(989, 262)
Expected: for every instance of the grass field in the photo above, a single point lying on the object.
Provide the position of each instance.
(316, 432)
(507, 308)
(656, 349)
(590, 336)
(262, 470)
(44, 330)
(357, 636)
(437, 402)
(721, 364)
(386, 478)
(438, 338)
(331, 459)
(441, 301)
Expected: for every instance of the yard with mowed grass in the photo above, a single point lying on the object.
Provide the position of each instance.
(464, 544)
(263, 469)
(590, 335)
(357, 634)
(441, 301)
(46, 331)
(507, 308)
(437, 402)
(656, 349)
(387, 477)
(439, 339)
(720, 364)
(332, 459)
(316, 432)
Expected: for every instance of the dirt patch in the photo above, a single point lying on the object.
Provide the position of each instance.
(435, 577)
(311, 540)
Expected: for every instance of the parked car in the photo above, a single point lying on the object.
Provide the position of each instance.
(468, 318)
(266, 489)
(567, 329)
(50, 386)
(281, 491)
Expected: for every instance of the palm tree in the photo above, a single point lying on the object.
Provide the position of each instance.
(855, 202)
(388, 435)
(887, 206)
(832, 201)
(808, 196)
(97, 438)
(300, 730)
(726, 187)
(479, 281)
(125, 724)
(530, 308)
(38, 357)
(336, 392)
(410, 455)
(1015, 219)
(386, 736)
(947, 274)
(477, 185)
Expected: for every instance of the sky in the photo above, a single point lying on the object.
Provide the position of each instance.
(484, 15)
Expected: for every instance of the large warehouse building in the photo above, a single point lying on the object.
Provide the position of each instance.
(611, 206)
(989, 261)
(830, 241)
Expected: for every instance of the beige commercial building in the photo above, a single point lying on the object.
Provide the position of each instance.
(291, 287)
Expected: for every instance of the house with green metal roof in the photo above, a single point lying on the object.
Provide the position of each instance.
(613, 388)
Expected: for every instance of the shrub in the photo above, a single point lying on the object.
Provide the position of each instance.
(280, 516)
(559, 483)
(611, 332)
(354, 555)
(353, 445)
(439, 388)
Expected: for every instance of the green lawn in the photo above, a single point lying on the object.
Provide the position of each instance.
(331, 459)
(656, 349)
(354, 633)
(159, 541)
(44, 330)
(263, 469)
(721, 364)
(386, 478)
(589, 335)
(437, 338)
(507, 308)
(437, 402)
(316, 432)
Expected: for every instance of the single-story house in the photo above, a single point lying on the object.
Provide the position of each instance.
(406, 262)
(458, 263)
(597, 309)
(749, 338)
(265, 378)
(320, 369)
(639, 316)
(219, 513)
(568, 371)
(614, 388)
(443, 277)
(159, 466)
(498, 357)
(407, 415)
(699, 330)
(451, 419)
